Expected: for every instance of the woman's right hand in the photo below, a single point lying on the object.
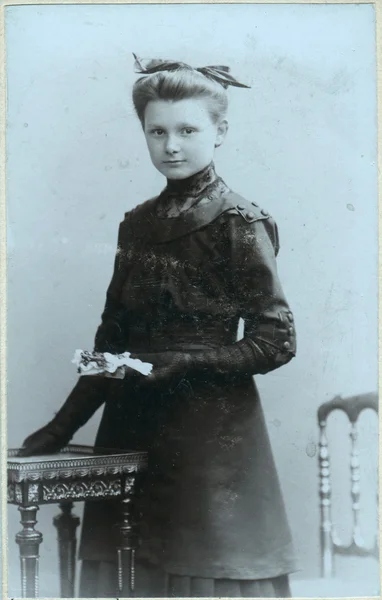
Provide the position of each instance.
(42, 441)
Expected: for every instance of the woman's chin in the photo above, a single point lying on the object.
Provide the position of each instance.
(176, 171)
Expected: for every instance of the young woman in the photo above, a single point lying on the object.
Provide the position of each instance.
(190, 263)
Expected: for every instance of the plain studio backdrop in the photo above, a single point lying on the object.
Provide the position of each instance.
(301, 143)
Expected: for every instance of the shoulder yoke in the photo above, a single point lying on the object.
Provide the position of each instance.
(248, 210)
(146, 225)
(142, 207)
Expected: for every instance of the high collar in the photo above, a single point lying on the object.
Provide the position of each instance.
(193, 185)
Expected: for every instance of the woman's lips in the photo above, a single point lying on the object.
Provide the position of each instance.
(173, 162)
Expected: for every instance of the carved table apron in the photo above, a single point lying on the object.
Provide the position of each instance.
(75, 473)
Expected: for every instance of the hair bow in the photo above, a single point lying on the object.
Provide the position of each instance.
(218, 73)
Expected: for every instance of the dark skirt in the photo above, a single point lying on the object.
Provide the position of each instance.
(98, 580)
(209, 504)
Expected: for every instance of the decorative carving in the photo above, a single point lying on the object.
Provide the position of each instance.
(15, 493)
(33, 492)
(11, 493)
(325, 503)
(18, 494)
(29, 541)
(355, 486)
(127, 545)
(80, 490)
(120, 570)
(129, 485)
(63, 467)
(132, 571)
(330, 541)
(351, 406)
(75, 473)
(357, 547)
(70, 473)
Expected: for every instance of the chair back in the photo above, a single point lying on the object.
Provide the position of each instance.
(330, 543)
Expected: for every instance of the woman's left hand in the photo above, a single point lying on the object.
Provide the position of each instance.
(168, 367)
(120, 373)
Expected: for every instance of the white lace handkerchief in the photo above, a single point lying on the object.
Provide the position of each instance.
(96, 363)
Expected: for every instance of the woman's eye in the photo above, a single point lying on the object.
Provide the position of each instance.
(157, 132)
(188, 130)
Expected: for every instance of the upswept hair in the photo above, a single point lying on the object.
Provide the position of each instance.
(181, 84)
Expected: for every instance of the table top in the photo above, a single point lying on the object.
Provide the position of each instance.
(74, 460)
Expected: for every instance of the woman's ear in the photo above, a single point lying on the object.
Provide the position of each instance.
(221, 133)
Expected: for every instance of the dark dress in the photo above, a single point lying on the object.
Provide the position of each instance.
(213, 519)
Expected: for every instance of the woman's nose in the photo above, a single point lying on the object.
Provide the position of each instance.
(172, 144)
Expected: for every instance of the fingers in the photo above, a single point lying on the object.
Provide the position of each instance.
(29, 441)
(38, 450)
(40, 443)
(30, 450)
(159, 375)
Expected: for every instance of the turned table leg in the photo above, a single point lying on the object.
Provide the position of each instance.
(127, 543)
(66, 525)
(29, 541)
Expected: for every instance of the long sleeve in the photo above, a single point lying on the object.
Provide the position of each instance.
(112, 333)
(269, 339)
(269, 323)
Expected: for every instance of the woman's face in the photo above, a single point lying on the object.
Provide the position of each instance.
(181, 136)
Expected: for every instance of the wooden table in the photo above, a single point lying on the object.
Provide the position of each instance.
(74, 474)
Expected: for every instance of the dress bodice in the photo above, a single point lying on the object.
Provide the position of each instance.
(187, 280)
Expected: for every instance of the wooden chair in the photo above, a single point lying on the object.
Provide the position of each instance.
(330, 543)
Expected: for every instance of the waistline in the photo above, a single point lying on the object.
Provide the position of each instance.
(181, 337)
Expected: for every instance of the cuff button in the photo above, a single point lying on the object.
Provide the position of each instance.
(240, 207)
(286, 345)
(250, 215)
(290, 316)
(290, 331)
